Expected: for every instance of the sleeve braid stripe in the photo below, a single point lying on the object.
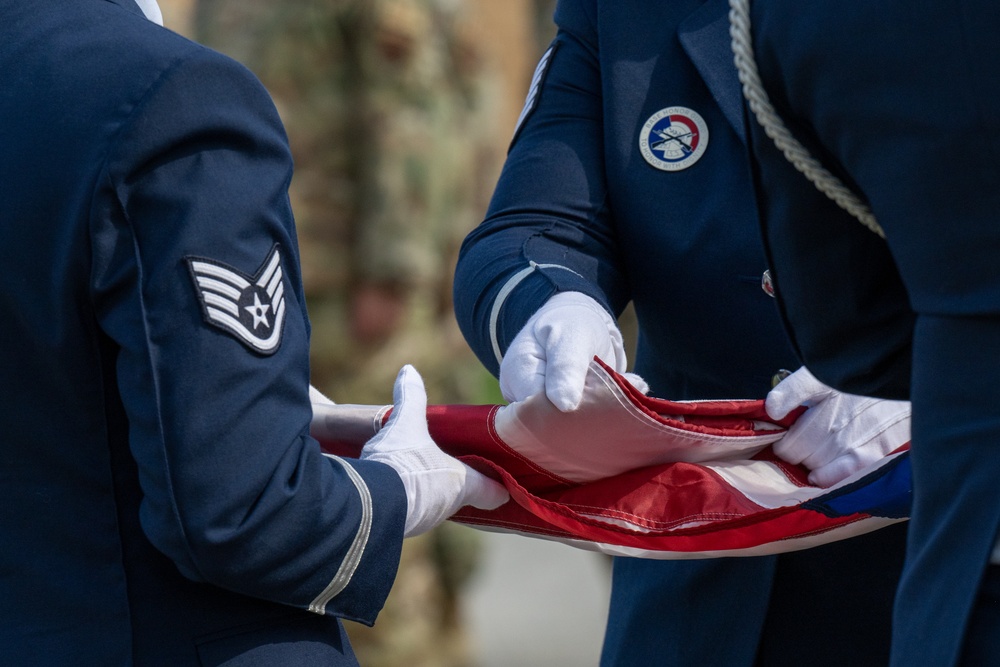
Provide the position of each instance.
(353, 556)
(505, 291)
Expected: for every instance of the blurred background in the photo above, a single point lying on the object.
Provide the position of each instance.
(399, 113)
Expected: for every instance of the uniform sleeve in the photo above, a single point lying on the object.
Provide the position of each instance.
(196, 281)
(548, 228)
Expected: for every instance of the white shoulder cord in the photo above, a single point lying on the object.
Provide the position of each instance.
(760, 104)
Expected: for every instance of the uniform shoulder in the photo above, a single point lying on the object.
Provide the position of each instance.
(577, 15)
(157, 50)
(101, 54)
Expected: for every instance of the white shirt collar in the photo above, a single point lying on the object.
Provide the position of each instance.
(151, 10)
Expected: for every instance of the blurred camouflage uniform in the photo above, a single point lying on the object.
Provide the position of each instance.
(386, 106)
(545, 26)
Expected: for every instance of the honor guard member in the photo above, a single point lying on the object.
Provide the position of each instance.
(627, 180)
(161, 501)
(906, 122)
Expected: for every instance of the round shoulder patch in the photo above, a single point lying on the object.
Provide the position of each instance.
(673, 138)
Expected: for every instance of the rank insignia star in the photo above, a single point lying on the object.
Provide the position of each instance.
(250, 308)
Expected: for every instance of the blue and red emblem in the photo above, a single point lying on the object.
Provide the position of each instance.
(673, 138)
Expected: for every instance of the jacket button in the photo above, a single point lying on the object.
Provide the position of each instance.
(767, 284)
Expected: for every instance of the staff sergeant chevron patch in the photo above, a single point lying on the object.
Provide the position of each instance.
(250, 308)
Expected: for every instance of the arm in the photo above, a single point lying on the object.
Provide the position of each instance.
(236, 493)
(548, 228)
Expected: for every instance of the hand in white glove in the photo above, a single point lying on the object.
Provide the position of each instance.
(436, 484)
(839, 433)
(553, 351)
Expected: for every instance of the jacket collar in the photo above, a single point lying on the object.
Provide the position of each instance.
(704, 34)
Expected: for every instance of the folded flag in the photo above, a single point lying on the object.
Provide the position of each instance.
(630, 475)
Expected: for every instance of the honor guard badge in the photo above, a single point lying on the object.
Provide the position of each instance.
(673, 138)
(252, 309)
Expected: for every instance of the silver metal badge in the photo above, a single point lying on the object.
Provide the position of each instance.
(673, 138)
(252, 309)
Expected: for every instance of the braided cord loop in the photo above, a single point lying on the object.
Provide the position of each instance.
(774, 127)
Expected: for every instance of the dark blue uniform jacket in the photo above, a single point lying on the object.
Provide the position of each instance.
(909, 119)
(161, 501)
(580, 207)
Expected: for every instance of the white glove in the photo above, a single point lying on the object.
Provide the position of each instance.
(840, 433)
(436, 484)
(553, 351)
